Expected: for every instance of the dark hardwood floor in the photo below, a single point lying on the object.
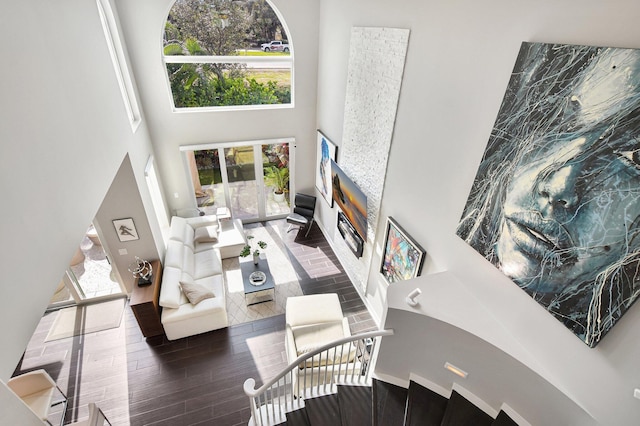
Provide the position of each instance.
(193, 381)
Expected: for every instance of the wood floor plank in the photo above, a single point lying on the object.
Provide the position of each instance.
(193, 381)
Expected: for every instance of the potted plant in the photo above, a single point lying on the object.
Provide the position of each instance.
(247, 249)
(278, 178)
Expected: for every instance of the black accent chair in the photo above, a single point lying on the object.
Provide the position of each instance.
(303, 210)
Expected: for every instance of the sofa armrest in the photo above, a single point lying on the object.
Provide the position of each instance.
(200, 221)
(290, 345)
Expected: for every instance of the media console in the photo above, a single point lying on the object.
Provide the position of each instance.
(351, 237)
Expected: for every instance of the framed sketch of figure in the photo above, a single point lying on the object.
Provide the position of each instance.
(126, 229)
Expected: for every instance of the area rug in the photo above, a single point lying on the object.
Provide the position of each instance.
(86, 319)
(286, 281)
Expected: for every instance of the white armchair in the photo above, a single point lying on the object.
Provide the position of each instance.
(37, 390)
(311, 322)
(96, 418)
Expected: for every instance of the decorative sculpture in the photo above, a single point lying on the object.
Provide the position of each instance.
(142, 270)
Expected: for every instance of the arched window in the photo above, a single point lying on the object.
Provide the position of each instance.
(227, 53)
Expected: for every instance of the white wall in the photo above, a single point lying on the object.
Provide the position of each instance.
(123, 200)
(143, 23)
(14, 411)
(64, 133)
(458, 64)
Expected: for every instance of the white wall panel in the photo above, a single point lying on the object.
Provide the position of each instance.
(374, 79)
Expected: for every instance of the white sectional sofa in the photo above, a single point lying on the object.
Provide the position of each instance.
(194, 254)
(192, 231)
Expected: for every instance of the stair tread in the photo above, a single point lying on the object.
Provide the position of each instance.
(461, 411)
(424, 406)
(503, 419)
(323, 411)
(355, 405)
(390, 402)
(298, 418)
(394, 406)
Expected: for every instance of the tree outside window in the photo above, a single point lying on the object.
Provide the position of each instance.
(213, 56)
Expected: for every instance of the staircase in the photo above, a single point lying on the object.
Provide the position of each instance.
(333, 386)
(384, 404)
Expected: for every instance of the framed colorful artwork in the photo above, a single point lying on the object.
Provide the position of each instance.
(402, 257)
(126, 229)
(326, 151)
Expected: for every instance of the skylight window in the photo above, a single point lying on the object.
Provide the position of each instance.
(227, 54)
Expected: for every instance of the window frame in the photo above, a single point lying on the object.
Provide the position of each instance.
(119, 61)
(184, 59)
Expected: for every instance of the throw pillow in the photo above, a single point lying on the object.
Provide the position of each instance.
(206, 234)
(195, 292)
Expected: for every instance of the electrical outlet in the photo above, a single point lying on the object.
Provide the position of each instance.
(176, 195)
(636, 393)
(123, 252)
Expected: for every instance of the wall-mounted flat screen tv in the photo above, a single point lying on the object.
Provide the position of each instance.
(351, 199)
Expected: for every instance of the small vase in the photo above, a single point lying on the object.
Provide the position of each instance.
(278, 197)
(256, 258)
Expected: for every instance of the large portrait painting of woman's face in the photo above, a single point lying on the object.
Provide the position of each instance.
(555, 204)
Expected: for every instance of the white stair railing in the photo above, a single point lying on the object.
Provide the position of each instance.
(345, 361)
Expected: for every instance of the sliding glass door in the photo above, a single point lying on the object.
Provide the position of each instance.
(252, 179)
(242, 185)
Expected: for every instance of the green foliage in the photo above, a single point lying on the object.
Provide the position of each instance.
(173, 49)
(219, 26)
(197, 85)
(277, 177)
(214, 28)
(265, 24)
(247, 249)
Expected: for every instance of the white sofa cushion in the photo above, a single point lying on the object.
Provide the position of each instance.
(178, 225)
(199, 221)
(232, 233)
(170, 293)
(311, 337)
(188, 237)
(188, 261)
(206, 263)
(175, 255)
(313, 309)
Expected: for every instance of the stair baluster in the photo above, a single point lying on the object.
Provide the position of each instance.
(269, 405)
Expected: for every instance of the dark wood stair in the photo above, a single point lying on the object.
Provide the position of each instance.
(385, 404)
(355, 405)
(322, 411)
(391, 403)
(424, 406)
